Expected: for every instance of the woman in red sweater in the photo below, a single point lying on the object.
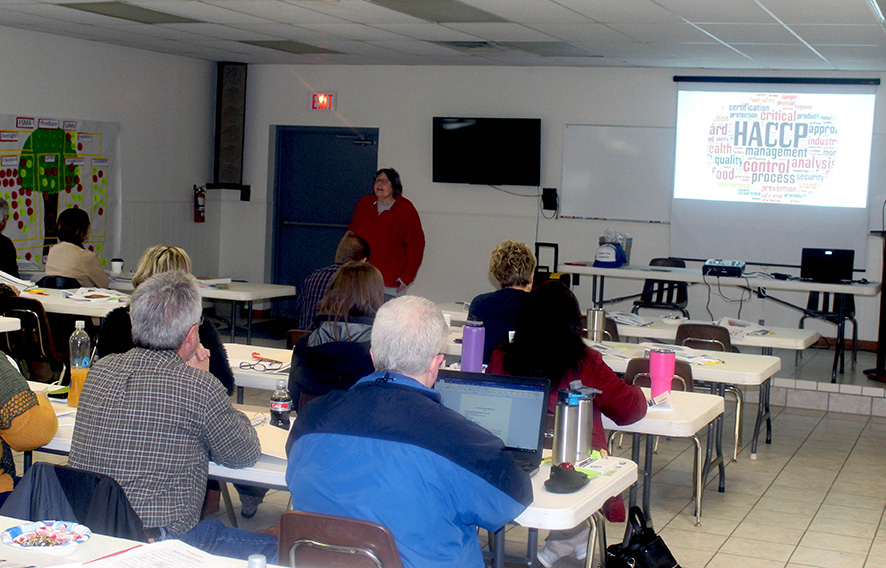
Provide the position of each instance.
(548, 343)
(391, 225)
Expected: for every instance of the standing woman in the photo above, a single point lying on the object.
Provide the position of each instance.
(69, 257)
(390, 224)
(548, 343)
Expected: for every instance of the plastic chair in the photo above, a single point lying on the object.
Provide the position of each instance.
(610, 332)
(51, 491)
(58, 282)
(826, 307)
(711, 337)
(312, 540)
(294, 335)
(664, 294)
(33, 343)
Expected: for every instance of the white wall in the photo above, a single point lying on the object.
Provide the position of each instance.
(463, 223)
(165, 107)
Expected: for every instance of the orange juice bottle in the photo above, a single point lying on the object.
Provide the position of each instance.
(80, 359)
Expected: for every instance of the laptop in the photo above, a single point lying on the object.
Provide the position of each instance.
(827, 265)
(513, 408)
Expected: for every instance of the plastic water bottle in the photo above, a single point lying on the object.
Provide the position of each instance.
(257, 561)
(281, 406)
(80, 352)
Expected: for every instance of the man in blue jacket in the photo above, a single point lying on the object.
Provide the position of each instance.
(388, 451)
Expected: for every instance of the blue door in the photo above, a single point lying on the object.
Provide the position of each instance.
(320, 175)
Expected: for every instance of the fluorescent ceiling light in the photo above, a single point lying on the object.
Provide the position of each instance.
(130, 13)
(292, 47)
(877, 10)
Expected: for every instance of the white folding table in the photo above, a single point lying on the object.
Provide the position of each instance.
(752, 282)
(238, 353)
(741, 369)
(690, 413)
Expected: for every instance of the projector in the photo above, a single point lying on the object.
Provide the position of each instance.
(720, 267)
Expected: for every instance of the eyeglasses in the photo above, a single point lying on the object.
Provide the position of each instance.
(382, 181)
(262, 365)
(199, 323)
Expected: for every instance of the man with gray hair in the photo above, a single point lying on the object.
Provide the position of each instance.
(153, 417)
(8, 262)
(388, 451)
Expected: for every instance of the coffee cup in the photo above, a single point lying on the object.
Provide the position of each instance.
(116, 265)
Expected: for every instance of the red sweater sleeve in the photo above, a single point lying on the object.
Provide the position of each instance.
(415, 243)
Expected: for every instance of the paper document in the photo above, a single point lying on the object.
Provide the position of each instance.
(273, 440)
(685, 354)
(101, 295)
(629, 319)
(741, 328)
(213, 280)
(11, 280)
(614, 351)
(165, 554)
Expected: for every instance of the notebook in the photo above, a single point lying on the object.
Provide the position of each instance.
(513, 408)
(827, 265)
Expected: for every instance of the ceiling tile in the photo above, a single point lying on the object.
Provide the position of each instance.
(621, 11)
(352, 31)
(838, 34)
(531, 11)
(821, 11)
(662, 32)
(736, 11)
(582, 32)
(501, 32)
(199, 11)
(425, 31)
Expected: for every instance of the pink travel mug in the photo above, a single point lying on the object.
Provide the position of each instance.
(661, 370)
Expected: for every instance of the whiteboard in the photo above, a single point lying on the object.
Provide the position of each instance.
(617, 172)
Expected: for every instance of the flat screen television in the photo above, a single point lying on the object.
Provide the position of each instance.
(487, 151)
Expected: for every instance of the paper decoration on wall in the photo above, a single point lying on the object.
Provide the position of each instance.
(48, 165)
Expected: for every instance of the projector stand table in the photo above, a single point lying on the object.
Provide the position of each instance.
(878, 373)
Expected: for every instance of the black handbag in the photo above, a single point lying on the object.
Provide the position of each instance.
(642, 548)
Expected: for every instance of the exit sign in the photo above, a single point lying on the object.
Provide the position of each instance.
(323, 101)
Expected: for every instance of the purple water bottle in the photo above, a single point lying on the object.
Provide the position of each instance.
(472, 347)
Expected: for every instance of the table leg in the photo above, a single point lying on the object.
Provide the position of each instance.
(647, 478)
(635, 457)
(498, 549)
(27, 460)
(531, 547)
(233, 321)
(598, 536)
(763, 412)
(699, 479)
(840, 351)
(249, 322)
(239, 395)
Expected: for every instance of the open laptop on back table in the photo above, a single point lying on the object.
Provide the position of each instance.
(827, 265)
(513, 408)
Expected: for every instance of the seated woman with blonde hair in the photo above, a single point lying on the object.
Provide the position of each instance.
(336, 354)
(116, 333)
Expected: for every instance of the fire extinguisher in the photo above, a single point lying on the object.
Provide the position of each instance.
(199, 204)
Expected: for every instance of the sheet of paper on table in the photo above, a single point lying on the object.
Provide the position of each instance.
(165, 554)
(272, 440)
(94, 295)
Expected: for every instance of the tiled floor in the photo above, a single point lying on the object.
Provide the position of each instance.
(813, 498)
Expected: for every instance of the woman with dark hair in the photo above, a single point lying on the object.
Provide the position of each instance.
(548, 343)
(336, 354)
(69, 257)
(390, 224)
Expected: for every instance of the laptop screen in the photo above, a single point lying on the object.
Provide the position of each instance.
(513, 408)
(827, 265)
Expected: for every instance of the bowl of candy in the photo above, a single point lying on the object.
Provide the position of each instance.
(58, 538)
